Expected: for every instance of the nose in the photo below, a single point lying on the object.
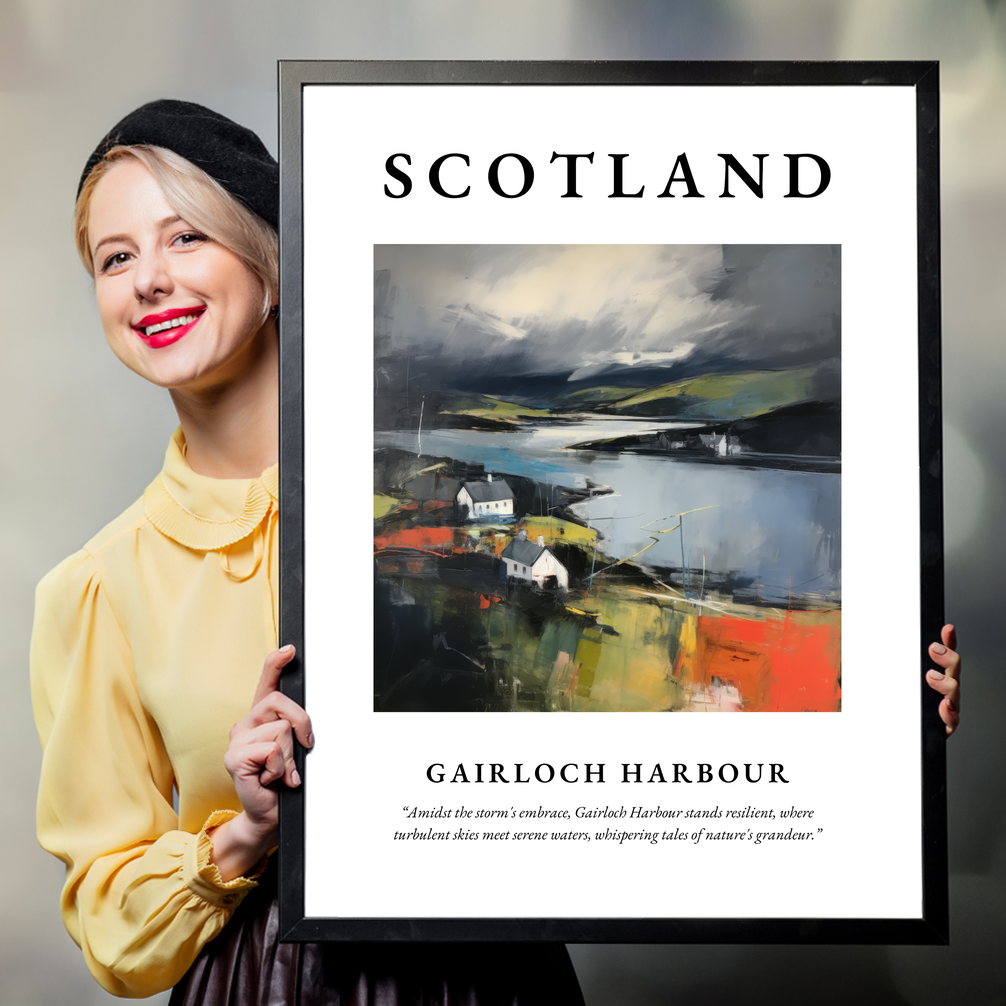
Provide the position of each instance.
(152, 277)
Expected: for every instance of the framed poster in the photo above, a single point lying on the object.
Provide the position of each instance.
(642, 362)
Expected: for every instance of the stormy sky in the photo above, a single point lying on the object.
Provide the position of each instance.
(592, 313)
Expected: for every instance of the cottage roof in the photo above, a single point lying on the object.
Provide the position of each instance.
(523, 551)
(488, 492)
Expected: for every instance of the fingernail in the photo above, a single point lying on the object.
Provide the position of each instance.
(295, 777)
(287, 649)
(938, 648)
(310, 740)
(936, 675)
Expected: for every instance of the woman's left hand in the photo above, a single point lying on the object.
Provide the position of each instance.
(260, 754)
(948, 681)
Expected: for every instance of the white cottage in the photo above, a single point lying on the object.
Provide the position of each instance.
(485, 499)
(533, 562)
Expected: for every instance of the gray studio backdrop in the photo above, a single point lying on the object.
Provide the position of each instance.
(82, 436)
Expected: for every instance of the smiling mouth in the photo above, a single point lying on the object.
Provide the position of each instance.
(167, 321)
(185, 319)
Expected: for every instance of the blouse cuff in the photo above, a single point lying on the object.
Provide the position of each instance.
(202, 876)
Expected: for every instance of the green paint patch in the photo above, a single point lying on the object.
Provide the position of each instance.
(486, 407)
(600, 394)
(725, 396)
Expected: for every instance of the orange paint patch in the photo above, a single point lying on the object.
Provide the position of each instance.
(496, 545)
(480, 601)
(789, 664)
(435, 539)
(425, 506)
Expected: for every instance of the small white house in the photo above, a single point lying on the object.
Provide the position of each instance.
(485, 499)
(533, 562)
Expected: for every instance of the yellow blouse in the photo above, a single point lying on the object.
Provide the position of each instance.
(147, 647)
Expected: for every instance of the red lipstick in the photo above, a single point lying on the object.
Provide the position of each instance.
(166, 327)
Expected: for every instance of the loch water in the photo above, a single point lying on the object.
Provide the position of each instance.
(779, 528)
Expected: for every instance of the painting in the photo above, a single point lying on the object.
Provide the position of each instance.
(607, 478)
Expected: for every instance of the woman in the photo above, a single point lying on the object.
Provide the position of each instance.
(148, 643)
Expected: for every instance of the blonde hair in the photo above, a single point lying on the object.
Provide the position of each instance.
(199, 200)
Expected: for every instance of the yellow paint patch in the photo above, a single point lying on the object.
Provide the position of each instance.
(553, 529)
(383, 505)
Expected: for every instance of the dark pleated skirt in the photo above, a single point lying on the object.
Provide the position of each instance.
(246, 965)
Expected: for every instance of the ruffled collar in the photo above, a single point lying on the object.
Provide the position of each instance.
(203, 513)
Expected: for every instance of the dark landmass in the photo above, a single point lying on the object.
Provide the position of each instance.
(804, 437)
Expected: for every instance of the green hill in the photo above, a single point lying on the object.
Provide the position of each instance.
(485, 407)
(595, 396)
(724, 396)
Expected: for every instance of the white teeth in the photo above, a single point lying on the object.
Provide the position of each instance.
(173, 323)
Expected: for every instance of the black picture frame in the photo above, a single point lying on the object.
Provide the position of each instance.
(932, 925)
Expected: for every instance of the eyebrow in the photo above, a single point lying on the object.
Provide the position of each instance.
(111, 238)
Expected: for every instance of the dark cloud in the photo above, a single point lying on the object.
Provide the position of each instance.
(592, 311)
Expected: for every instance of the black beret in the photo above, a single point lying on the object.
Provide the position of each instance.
(231, 154)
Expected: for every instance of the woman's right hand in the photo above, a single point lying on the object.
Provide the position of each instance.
(259, 754)
(948, 681)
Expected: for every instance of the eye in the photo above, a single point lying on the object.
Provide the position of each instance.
(115, 261)
(189, 239)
